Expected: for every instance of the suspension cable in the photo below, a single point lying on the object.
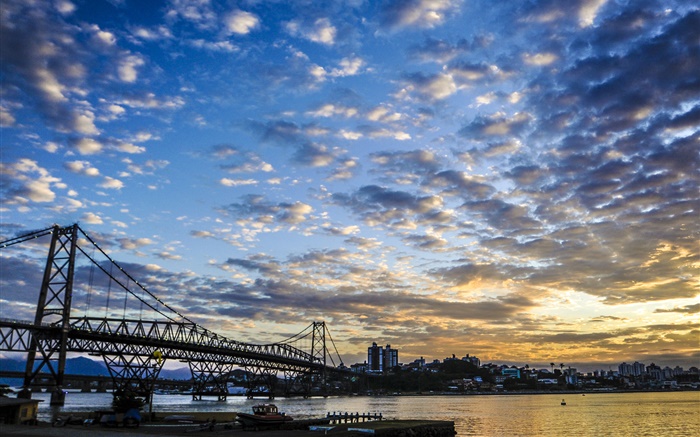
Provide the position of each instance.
(334, 347)
(299, 336)
(113, 279)
(187, 319)
(25, 237)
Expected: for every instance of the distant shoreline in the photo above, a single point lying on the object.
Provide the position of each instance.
(541, 392)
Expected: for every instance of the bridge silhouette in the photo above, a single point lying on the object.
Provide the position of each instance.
(136, 343)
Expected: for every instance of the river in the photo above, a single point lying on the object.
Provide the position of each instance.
(592, 414)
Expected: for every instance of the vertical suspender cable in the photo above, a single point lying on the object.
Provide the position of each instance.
(109, 290)
(126, 295)
(89, 290)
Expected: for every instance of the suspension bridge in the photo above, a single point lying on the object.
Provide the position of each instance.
(136, 332)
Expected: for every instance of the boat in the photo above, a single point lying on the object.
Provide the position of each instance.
(563, 402)
(264, 416)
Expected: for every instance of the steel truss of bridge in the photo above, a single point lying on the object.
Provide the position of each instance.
(135, 350)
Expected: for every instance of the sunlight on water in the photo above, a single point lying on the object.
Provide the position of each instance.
(623, 414)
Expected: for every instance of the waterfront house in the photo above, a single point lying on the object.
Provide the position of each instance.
(17, 410)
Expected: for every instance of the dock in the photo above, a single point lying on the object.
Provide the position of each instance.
(352, 417)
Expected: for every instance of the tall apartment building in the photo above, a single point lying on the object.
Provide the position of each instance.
(380, 360)
(638, 369)
(625, 369)
(391, 357)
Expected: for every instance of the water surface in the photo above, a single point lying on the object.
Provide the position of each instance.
(595, 414)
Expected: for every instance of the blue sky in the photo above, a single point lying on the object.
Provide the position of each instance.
(512, 180)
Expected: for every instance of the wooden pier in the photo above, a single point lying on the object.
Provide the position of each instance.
(338, 417)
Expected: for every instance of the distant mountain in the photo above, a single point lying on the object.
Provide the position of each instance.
(181, 373)
(88, 367)
(10, 365)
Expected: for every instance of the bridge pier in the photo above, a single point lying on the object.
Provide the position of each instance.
(134, 371)
(298, 383)
(209, 379)
(58, 397)
(261, 381)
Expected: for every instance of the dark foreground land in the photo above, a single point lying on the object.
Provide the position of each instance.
(384, 428)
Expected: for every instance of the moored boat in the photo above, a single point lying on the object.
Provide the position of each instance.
(264, 416)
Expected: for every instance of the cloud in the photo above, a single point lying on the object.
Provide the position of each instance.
(202, 234)
(349, 66)
(429, 88)
(320, 30)
(330, 110)
(130, 148)
(381, 207)
(87, 146)
(539, 59)
(24, 181)
(6, 117)
(128, 66)
(201, 14)
(82, 167)
(497, 124)
(256, 208)
(214, 46)
(241, 22)
(111, 183)
(687, 309)
(399, 14)
(149, 100)
(168, 256)
(314, 155)
(133, 243)
(242, 161)
(91, 219)
(588, 11)
(237, 182)
(279, 132)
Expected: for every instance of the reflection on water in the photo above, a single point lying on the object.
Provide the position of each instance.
(613, 414)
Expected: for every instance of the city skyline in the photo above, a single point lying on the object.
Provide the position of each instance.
(520, 182)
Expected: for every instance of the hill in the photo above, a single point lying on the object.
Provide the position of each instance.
(89, 367)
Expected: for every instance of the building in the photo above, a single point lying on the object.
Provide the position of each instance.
(655, 372)
(511, 372)
(359, 367)
(638, 369)
(474, 360)
(391, 357)
(380, 360)
(625, 369)
(15, 411)
(571, 376)
(375, 359)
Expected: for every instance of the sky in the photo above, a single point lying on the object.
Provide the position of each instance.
(517, 181)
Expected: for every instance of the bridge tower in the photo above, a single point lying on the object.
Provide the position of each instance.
(53, 308)
(301, 382)
(318, 346)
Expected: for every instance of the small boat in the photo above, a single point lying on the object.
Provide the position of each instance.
(563, 402)
(264, 416)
